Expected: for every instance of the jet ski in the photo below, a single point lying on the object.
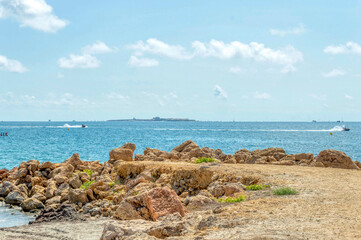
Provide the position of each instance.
(83, 126)
(345, 129)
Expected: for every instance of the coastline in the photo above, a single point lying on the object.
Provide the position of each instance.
(121, 191)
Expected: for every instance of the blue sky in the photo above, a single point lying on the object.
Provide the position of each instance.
(205, 60)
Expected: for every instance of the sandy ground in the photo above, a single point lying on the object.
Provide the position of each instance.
(327, 207)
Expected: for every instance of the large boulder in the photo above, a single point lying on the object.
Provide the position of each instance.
(185, 147)
(124, 153)
(335, 159)
(126, 211)
(65, 212)
(31, 203)
(277, 153)
(163, 201)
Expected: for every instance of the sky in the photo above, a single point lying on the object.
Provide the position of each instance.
(204, 60)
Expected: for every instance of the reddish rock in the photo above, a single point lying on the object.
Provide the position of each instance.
(335, 159)
(163, 201)
(3, 173)
(124, 153)
(74, 160)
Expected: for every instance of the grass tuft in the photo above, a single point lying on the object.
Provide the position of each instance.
(254, 187)
(203, 159)
(232, 200)
(284, 191)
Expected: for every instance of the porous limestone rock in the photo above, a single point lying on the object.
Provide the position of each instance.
(335, 159)
(124, 153)
(31, 203)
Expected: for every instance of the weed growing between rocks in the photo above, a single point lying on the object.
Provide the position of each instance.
(240, 198)
(284, 191)
(256, 187)
(86, 185)
(203, 159)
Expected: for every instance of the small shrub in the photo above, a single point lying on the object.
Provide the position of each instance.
(111, 184)
(284, 191)
(232, 200)
(86, 185)
(203, 159)
(254, 187)
(136, 193)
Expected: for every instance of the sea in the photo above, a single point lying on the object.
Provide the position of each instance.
(57, 141)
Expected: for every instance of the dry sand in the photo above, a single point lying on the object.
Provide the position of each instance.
(327, 207)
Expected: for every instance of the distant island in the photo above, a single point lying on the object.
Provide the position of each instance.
(157, 119)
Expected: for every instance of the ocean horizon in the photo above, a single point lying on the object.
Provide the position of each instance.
(56, 141)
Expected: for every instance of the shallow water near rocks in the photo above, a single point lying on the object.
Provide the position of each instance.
(10, 217)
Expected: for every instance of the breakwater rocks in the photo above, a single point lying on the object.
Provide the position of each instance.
(156, 186)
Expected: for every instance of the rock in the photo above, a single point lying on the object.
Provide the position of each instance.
(169, 226)
(50, 189)
(53, 200)
(32, 165)
(3, 173)
(126, 211)
(265, 160)
(187, 146)
(30, 204)
(277, 153)
(37, 189)
(75, 182)
(6, 187)
(78, 195)
(206, 222)
(39, 196)
(118, 230)
(304, 158)
(59, 179)
(199, 201)
(335, 159)
(74, 160)
(231, 188)
(163, 201)
(65, 212)
(132, 183)
(46, 165)
(242, 156)
(64, 169)
(287, 160)
(21, 173)
(15, 198)
(37, 181)
(124, 153)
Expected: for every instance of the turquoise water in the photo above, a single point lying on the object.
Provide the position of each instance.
(10, 217)
(52, 141)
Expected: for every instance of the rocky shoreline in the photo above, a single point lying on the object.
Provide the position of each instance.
(167, 192)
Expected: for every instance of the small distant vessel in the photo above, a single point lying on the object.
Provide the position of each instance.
(314, 121)
(345, 129)
(83, 126)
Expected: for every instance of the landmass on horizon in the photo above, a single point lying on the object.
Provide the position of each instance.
(157, 119)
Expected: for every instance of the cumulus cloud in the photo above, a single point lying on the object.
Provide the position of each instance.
(87, 58)
(154, 46)
(258, 95)
(334, 73)
(79, 61)
(142, 62)
(287, 57)
(294, 31)
(98, 47)
(11, 65)
(348, 48)
(35, 14)
(218, 92)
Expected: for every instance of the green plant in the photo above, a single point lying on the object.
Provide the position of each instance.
(88, 171)
(136, 193)
(254, 187)
(111, 184)
(284, 191)
(86, 185)
(232, 200)
(203, 159)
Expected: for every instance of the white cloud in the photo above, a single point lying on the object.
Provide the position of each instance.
(349, 47)
(11, 65)
(36, 14)
(98, 47)
(334, 73)
(154, 46)
(86, 59)
(79, 61)
(287, 57)
(142, 62)
(218, 92)
(258, 95)
(348, 97)
(294, 31)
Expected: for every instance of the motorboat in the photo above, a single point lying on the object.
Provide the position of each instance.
(345, 129)
(83, 126)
